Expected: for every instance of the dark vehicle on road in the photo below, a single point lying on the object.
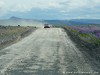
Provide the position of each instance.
(46, 26)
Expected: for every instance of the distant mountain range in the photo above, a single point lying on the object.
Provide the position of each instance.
(15, 18)
(75, 22)
(14, 21)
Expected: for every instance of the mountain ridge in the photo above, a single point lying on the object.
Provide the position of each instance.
(21, 21)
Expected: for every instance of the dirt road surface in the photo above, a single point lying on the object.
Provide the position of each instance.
(45, 52)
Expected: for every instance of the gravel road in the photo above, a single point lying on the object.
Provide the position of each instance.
(45, 52)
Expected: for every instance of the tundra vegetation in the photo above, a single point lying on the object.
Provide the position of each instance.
(87, 37)
(9, 34)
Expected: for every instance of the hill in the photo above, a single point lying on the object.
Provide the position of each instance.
(74, 22)
(15, 21)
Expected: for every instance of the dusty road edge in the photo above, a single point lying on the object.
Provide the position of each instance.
(23, 35)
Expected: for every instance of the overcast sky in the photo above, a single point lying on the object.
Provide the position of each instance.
(50, 9)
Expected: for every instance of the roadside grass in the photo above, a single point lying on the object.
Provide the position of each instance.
(88, 37)
(85, 41)
(11, 34)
